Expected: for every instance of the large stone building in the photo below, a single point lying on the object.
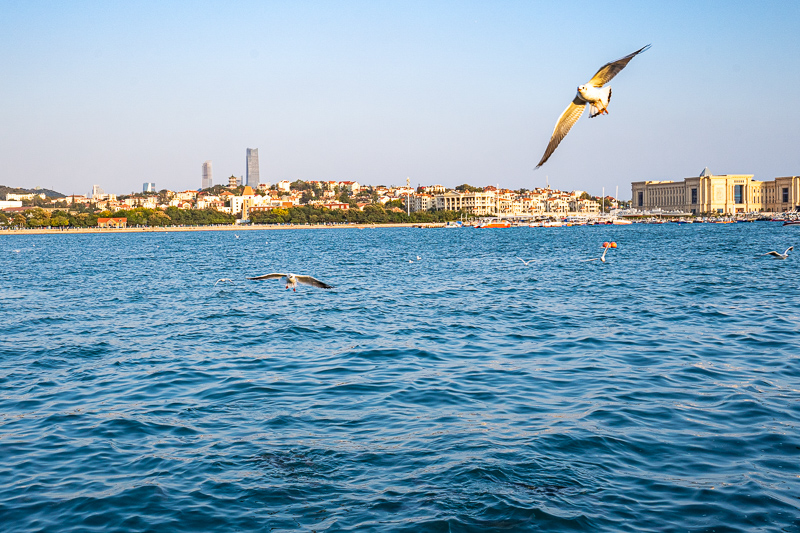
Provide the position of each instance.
(726, 194)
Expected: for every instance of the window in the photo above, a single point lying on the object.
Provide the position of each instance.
(738, 194)
(641, 199)
(785, 195)
(694, 195)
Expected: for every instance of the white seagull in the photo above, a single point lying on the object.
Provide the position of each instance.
(526, 262)
(292, 280)
(591, 93)
(784, 255)
(223, 280)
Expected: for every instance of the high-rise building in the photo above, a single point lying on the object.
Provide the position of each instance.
(148, 187)
(207, 180)
(97, 191)
(252, 167)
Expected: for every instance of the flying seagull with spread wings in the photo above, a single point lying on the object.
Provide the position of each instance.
(292, 280)
(784, 255)
(593, 94)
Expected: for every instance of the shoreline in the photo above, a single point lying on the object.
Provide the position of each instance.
(81, 231)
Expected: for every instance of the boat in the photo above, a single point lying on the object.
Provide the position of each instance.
(494, 223)
(791, 222)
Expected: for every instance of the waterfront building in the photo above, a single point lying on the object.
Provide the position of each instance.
(112, 222)
(726, 194)
(207, 180)
(421, 202)
(252, 168)
(148, 187)
(477, 203)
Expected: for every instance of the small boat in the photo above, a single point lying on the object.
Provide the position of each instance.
(494, 223)
(791, 222)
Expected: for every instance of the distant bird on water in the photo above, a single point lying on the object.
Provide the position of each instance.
(292, 280)
(591, 93)
(784, 255)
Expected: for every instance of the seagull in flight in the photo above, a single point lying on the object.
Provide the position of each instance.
(292, 280)
(784, 255)
(526, 262)
(591, 93)
(223, 280)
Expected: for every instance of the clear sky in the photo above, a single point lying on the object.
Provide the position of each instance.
(118, 93)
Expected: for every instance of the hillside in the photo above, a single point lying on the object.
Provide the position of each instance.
(17, 190)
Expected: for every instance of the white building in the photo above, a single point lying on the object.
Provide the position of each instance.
(422, 202)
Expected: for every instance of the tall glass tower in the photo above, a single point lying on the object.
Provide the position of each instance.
(207, 181)
(252, 167)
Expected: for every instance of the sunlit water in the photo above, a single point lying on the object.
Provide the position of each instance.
(461, 392)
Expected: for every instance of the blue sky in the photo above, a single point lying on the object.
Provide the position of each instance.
(119, 93)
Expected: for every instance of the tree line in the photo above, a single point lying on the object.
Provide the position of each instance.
(172, 216)
(372, 214)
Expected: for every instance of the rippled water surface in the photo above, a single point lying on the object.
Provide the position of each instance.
(464, 391)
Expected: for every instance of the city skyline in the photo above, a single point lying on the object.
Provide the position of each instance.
(444, 93)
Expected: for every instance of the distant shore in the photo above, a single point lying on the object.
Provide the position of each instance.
(249, 227)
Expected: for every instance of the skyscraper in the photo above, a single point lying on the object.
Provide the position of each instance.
(252, 167)
(148, 187)
(97, 192)
(207, 180)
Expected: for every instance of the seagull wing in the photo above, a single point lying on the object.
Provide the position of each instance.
(274, 275)
(570, 115)
(789, 249)
(773, 253)
(609, 70)
(308, 280)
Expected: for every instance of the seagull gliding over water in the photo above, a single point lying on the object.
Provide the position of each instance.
(292, 280)
(591, 93)
(784, 255)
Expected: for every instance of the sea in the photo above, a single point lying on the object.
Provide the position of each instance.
(442, 385)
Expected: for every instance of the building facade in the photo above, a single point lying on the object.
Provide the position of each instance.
(421, 202)
(253, 178)
(726, 194)
(148, 187)
(207, 181)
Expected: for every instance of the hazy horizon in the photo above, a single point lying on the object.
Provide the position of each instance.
(443, 93)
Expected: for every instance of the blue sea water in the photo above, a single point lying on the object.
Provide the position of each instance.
(465, 391)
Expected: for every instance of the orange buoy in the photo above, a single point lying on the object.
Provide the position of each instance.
(606, 245)
(613, 245)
